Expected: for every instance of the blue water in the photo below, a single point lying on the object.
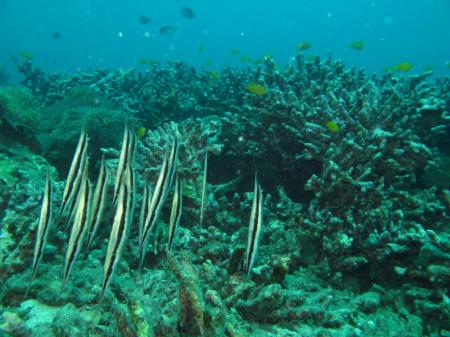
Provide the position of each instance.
(108, 34)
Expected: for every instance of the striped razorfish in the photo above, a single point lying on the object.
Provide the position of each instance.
(204, 187)
(44, 225)
(144, 208)
(120, 228)
(75, 175)
(80, 224)
(175, 214)
(126, 157)
(254, 230)
(159, 195)
(98, 203)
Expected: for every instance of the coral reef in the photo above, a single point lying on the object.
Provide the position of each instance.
(4, 77)
(355, 239)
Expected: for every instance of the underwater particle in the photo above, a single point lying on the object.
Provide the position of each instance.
(147, 34)
(141, 132)
(167, 30)
(144, 20)
(120, 34)
(305, 45)
(234, 51)
(26, 55)
(388, 20)
(56, 35)
(208, 62)
(256, 89)
(357, 45)
(332, 126)
(188, 13)
(403, 66)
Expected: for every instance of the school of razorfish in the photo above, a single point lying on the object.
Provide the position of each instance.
(83, 208)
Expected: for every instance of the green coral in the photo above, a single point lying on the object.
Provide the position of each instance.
(20, 107)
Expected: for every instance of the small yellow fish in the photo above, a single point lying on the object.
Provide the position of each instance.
(357, 45)
(234, 51)
(257, 62)
(403, 66)
(256, 89)
(244, 58)
(333, 126)
(26, 55)
(141, 132)
(214, 75)
(147, 61)
(305, 45)
(201, 49)
(428, 67)
(173, 92)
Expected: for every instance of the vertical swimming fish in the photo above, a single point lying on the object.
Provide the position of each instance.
(154, 207)
(144, 208)
(173, 158)
(254, 230)
(132, 146)
(75, 174)
(175, 214)
(123, 160)
(159, 195)
(131, 181)
(203, 202)
(43, 226)
(98, 202)
(79, 227)
(119, 231)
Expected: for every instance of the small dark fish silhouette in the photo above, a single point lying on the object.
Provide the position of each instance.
(188, 13)
(144, 20)
(167, 30)
(56, 35)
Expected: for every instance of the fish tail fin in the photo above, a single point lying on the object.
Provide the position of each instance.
(102, 295)
(59, 218)
(26, 293)
(141, 259)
